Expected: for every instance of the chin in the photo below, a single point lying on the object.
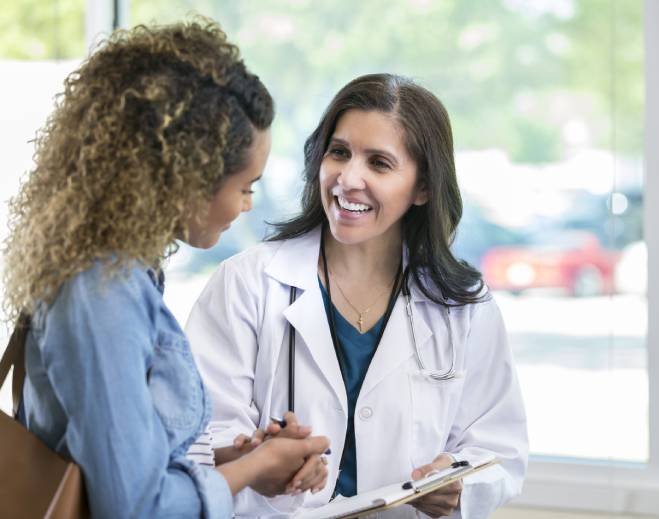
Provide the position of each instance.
(205, 242)
(212, 242)
(350, 235)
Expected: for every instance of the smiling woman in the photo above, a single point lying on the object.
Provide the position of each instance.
(367, 150)
(379, 211)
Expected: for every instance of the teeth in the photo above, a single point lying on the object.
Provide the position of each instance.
(350, 206)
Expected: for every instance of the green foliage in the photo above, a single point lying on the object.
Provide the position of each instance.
(512, 75)
(534, 142)
(42, 29)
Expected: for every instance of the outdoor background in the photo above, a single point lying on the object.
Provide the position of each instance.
(546, 100)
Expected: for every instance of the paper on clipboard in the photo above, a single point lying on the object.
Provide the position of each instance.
(393, 495)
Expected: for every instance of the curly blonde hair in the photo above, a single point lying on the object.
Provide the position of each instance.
(140, 139)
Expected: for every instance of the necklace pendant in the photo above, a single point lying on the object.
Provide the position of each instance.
(360, 323)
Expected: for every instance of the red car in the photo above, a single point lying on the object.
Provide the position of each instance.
(571, 260)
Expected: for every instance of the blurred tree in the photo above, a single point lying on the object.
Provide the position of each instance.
(606, 63)
(536, 79)
(42, 29)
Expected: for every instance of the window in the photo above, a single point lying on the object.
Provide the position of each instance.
(547, 104)
(546, 100)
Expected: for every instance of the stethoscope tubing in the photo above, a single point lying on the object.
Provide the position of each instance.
(433, 374)
(291, 357)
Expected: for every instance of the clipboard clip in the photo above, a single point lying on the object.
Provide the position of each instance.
(410, 485)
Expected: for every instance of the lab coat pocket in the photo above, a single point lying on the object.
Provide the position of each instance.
(175, 385)
(434, 403)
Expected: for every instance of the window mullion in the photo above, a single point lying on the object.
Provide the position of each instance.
(121, 17)
(102, 17)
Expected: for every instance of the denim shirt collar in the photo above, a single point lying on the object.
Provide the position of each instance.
(158, 279)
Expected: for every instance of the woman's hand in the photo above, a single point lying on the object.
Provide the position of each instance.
(242, 444)
(275, 460)
(292, 430)
(289, 465)
(247, 444)
(313, 474)
(443, 501)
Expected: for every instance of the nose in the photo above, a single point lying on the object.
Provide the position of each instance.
(351, 175)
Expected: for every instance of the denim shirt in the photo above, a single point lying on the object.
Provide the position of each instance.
(111, 383)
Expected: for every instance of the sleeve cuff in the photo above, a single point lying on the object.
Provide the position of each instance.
(248, 503)
(214, 491)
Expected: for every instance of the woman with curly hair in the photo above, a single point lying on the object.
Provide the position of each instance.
(158, 136)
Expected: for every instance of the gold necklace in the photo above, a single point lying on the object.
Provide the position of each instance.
(362, 313)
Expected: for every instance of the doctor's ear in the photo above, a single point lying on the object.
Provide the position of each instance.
(422, 195)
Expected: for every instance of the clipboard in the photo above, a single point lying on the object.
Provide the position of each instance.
(394, 495)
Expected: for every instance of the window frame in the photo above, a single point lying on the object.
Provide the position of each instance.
(551, 483)
(102, 17)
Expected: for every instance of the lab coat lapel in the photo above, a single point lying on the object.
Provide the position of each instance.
(295, 264)
(308, 317)
(397, 345)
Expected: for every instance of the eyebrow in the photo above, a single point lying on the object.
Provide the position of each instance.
(372, 151)
(256, 179)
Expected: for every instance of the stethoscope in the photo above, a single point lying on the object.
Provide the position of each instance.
(437, 375)
(447, 374)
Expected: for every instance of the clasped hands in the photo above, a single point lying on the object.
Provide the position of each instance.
(293, 462)
(294, 459)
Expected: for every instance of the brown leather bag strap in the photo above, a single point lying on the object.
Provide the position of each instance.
(15, 356)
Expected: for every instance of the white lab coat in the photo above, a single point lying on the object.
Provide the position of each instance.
(238, 330)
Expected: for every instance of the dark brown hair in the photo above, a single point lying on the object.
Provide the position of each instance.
(429, 229)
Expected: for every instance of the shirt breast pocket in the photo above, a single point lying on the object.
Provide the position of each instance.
(175, 387)
(434, 404)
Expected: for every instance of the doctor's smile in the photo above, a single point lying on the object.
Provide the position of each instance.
(350, 206)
